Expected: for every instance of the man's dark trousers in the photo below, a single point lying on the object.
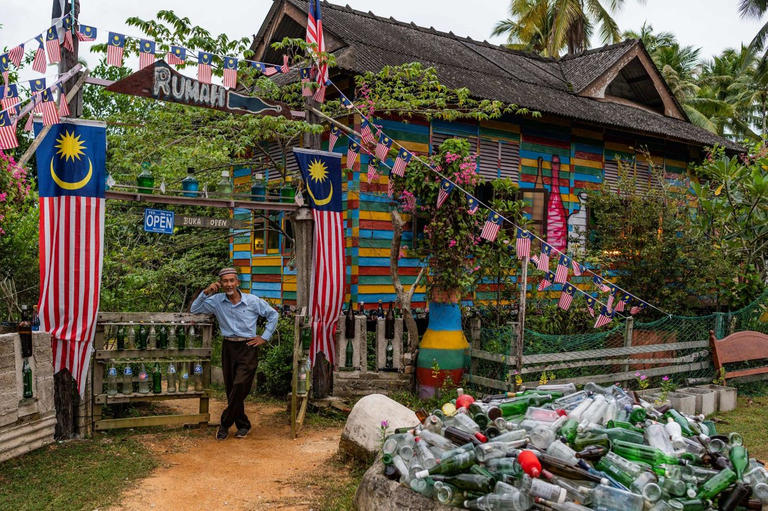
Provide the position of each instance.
(238, 364)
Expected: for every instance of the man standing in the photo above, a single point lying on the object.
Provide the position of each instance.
(237, 314)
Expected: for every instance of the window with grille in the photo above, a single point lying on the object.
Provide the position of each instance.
(437, 139)
(611, 173)
(489, 159)
(509, 160)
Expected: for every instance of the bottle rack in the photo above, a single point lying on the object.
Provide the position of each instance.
(106, 353)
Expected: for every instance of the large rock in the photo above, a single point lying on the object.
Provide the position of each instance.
(377, 493)
(361, 437)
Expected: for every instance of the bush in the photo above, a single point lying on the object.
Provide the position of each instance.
(277, 360)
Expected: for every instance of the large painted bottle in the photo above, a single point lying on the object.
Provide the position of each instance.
(443, 348)
(557, 220)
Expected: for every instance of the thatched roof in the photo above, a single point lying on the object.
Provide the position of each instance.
(365, 42)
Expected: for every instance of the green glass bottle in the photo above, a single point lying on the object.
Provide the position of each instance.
(695, 504)
(145, 180)
(162, 337)
(519, 405)
(684, 424)
(288, 192)
(569, 430)
(590, 438)
(471, 482)
(623, 425)
(157, 379)
(26, 372)
(121, 338)
(614, 434)
(306, 338)
(450, 466)
(644, 453)
(637, 415)
(181, 337)
(224, 184)
(716, 484)
(739, 459)
(141, 337)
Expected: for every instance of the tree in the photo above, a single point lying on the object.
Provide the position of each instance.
(548, 26)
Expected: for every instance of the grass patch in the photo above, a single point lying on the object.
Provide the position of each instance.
(85, 474)
(334, 488)
(749, 418)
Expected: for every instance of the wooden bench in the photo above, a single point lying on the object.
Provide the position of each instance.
(739, 347)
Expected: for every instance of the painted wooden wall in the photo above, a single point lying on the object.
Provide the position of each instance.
(588, 158)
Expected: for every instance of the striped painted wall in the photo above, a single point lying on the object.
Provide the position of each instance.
(588, 160)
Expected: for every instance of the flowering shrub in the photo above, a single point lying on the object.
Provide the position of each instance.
(14, 186)
(642, 381)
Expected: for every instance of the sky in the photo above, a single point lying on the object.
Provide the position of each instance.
(712, 25)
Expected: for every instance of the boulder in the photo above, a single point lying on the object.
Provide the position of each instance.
(361, 437)
(377, 493)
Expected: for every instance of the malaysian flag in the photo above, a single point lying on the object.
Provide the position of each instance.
(115, 46)
(7, 131)
(606, 316)
(319, 95)
(546, 281)
(561, 274)
(177, 55)
(333, 137)
(271, 70)
(623, 302)
(86, 33)
(523, 243)
(591, 302)
(612, 296)
(472, 205)
(4, 61)
(578, 269)
(52, 45)
(402, 160)
(546, 250)
(9, 96)
(373, 164)
(492, 226)
(71, 170)
(63, 105)
(367, 134)
(446, 187)
(315, 36)
(638, 308)
(346, 103)
(230, 72)
(68, 43)
(382, 148)
(305, 74)
(322, 176)
(146, 53)
(566, 297)
(285, 67)
(204, 60)
(48, 108)
(16, 54)
(598, 281)
(39, 64)
(352, 151)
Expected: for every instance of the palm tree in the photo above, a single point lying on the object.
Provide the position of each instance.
(755, 9)
(549, 26)
(651, 40)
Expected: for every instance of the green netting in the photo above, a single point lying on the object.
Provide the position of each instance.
(687, 359)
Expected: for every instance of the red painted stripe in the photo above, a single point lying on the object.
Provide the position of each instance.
(545, 141)
(384, 270)
(598, 157)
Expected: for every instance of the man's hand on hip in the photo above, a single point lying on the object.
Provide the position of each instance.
(256, 341)
(213, 288)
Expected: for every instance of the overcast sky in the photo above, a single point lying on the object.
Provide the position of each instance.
(712, 25)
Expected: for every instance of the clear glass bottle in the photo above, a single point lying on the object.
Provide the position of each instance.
(198, 375)
(127, 379)
(131, 336)
(152, 339)
(26, 372)
(112, 380)
(143, 380)
(172, 378)
(183, 377)
(224, 184)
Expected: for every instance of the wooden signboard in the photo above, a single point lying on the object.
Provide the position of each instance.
(210, 223)
(160, 81)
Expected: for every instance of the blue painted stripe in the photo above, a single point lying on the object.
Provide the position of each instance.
(587, 148)
(455, 128)
(418, 129)
(266, 286)
(382, 235)
(368, 298)
(374, 197)
(242, 254)
(245, 171)
(444, 316)
(532, 155)
(266, 294)
(245, 277)
(384, 261)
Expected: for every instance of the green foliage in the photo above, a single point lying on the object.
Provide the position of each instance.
(277, 359)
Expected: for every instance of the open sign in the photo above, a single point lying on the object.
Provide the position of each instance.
(158, 220)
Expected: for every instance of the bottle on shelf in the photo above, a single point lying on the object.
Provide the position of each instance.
(131, 336)
(172, 377)
(127, 379)
(26, 373)
(189, 184)
(161, 342)
(25, 331)
(197, 376)
(380, 311)
(288, 192)
(145, 180)
(183, 377)
(143, 380)
(152, 338)
(171, 336)
(259, 188)
(224, 184)
(112, 380)
(35, 318)
(120, 338)
(157, 379)
(301, 383)
(389, 323)
(141, 337)
(181, 337)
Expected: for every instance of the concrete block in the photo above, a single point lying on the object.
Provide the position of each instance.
(683, 403)
(725, 399)
(705, 399)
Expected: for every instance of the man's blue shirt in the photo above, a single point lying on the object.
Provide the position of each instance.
(237, 320)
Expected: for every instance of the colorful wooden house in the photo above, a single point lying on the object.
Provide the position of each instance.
(597, 107)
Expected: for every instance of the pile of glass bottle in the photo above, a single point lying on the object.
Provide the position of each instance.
(554, 447)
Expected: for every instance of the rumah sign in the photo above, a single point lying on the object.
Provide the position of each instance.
(160, 81)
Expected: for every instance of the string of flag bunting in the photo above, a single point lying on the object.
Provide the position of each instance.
(618, 300)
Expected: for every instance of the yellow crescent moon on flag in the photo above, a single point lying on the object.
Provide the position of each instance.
(321, 202)
(77, 184)
(318, 172)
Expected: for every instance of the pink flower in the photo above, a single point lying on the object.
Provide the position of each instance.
(401, 254)
(384, 424)
(476, 268)
(451, 243)
(643, 377)
(3, 196)
(666, 378)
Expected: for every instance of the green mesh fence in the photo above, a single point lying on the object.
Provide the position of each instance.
(623, 352)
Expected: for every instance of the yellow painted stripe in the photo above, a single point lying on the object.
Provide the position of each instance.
(675, 163)
(289, 279)
(501, 126)
(242, 247)
(616, 146)
(289, 286)
(375, 215)
(266, 261)
(374, 252)
(581, 132)
(416, 147)
(587, 163)
(382, 289)
(529, 162)
(444, 340)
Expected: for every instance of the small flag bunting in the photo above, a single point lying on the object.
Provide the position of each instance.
(230, 72)
(48, 108)
(115, 46)
(9, 96)
(492, 226)
(52, 45)
(177, 55)
(352, 151)
(606, 316)
(547, 281)
(546, 250)
(523, 243)
(346, 103)
(68, 43)
(39, 64)
(446, 187)
(561, 274)
(566, 296)
(367, 134)
(598, 281)
(382, 148)
(623, 302)
(402, 160)
(591, 302)
(86, 33)
(7, 132)
(63, 105)
(146, 53)
(638, 308)
(373, 164)
(306, 88)
(333, 137)
(4, 64)
(16, 54)
(472, 205)
(613, 290)
(37, 85)
(285, 67)
(578, 269)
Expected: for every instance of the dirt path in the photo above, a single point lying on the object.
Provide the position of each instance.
(266, 470)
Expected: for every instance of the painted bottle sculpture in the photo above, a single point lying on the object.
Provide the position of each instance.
(443, 344)
(557, 227)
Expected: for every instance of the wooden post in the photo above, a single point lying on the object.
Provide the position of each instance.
(629, 326)
(521, 317)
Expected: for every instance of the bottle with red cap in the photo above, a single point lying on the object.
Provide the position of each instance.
(529, 463)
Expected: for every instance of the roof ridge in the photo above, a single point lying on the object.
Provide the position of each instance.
(599, 49)
(432, 30)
